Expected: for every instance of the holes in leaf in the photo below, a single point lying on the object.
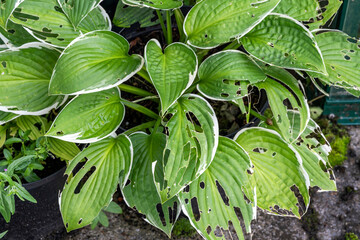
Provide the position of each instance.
(274, 154)
(195, 209)
(260, 150)
(67, 225)
(205, 36)
(208, 230)
(332, 67)
(278, 210)
(84, 179)
(186, 201)
(128, 182)
(218, 232)
(60, 133)
(352, 40)
(301, 203)
(186, 189)
(225, 95)
(222, 193)
(202, 185)
(161, 214)
(3, 63)
(173, 213)
(286, 54)
(270, 44)
(347, 57)
(58, 9)
(80, 221)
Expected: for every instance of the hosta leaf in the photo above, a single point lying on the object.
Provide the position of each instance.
(125, 16)
(33, 123)
(300, 10)
(7, 117)
(77, 10)
(282, 41)
(6, 9)
(89, 117)
(171, 72)
(16, 35)
(2, 135)
(329, 8)
(342, 59)
(92, 187)
(220, 195)
(24, 80)
(62, 149)
(283, 95)
(48, 23)
(94, 62)
(155, 4)
(211, 22)
(141, 191)
(281, 181)
(222, 75)
(193, 139)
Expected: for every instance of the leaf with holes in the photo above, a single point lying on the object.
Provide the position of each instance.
(282, 95)
(25, 74)
(155, 4)
(77, 10)
(62, 149)
(220, 196)
(171, 72)
(94, 62)
(211, 22)
(281, 181)
(6, 9)
(224, 75)
(92, 187)
(342, 59)
(7, 117)
(46, 21)
(190, 149)
(283, 42)
(329, 8)
(125, 16)
(2, 135)
(141, 192)
(89, 118)
(16, 35)
(304, 10)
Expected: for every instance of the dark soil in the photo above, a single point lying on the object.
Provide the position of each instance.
(51, 166)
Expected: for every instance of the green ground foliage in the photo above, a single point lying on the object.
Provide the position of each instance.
(351, 236)
(183, 228)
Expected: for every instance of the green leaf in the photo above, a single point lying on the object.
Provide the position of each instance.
(3, 234)
(222, 74)
(141, 191)
(89, 118)
(342, 59)
(35, 124)
(10, 141)
(96, 55)
(2, 136)
(62, 149)
(46, 21)
(171, 72)
(5, 205)
(84, 196)
(7, 117)
(16, 35)
(155, 4)
(77, 10)
(281, 181)
(125, 16)
(211, 22)
(103, 219)
(327, 15)
(6, 9)
(304, 10)
(22, 193)
(7, 155)
(25, 74)
(113, 208)
(283, 42)
(19, 164)
(190, 149)
(220, 192)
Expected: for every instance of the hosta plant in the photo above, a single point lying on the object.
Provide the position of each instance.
(63, 55)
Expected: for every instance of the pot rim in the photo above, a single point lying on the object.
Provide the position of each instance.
(33, 185)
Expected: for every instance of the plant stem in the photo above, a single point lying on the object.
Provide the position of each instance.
(169, 28)
(179, 17)
(140, 109)
(139, 128)
(233, 45)
(259, 116)
(144, 74)
(156, 126)
(135, 90)
(161, 19)
(315, 99)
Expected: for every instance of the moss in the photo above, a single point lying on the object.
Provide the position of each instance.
(183, 228)
(351, 236)
(310, 223)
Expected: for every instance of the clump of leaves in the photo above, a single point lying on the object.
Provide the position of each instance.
(113, 207)
(183, 227)
(351, 236)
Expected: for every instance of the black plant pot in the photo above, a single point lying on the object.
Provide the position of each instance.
(36, 221)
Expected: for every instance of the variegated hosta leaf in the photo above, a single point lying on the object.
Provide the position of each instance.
(223, 74)
(62, 149)
(2, 135)
(48, 23)
(89, 118)
(280, 179)
(141, 191)
(303, 10)
(92, 187)
(171, 72)
(282, 41)
(155, 4)
(7, 117)
(16, 35)
(125, 16)
(284, 94)
(35, 124)
(328, 11)
(25, 74)
(211, 22)
(342, 59)
(6, 9)
(190, 149)
(220, 195)
(77, 10)
(94, 62)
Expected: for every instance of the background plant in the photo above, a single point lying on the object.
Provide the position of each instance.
(176, 158)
